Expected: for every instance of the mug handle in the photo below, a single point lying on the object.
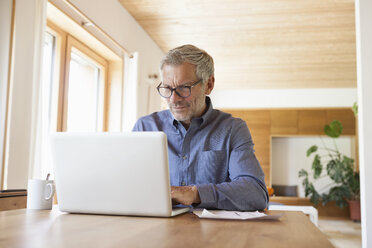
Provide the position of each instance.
(52, 190)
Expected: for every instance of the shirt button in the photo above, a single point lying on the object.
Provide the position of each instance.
(183, 183)
(184, 157)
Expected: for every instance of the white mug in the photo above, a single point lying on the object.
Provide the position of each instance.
(40, 194)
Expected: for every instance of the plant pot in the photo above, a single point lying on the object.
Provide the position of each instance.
(354, 210)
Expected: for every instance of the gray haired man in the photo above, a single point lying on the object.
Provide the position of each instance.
(211, 158)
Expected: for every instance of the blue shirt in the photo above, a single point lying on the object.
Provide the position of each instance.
(215, 154)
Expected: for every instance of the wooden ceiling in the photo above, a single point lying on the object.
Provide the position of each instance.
(260, 43)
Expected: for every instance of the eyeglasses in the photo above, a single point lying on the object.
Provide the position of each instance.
(182, 91)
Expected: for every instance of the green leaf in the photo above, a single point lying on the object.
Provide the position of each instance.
(348, 163)
(315, 198)
(305, 183)
(353, 184)
(302, 173)
(317, 166)
(334, 129)
(355, 108)
(309, 188)
(325, 199)
(312, 149)
(310, 191)
(339, 194)
(335, 170)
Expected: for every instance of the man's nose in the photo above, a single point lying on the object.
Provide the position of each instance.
(175, 97)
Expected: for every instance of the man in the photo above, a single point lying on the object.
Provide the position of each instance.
(211, 157)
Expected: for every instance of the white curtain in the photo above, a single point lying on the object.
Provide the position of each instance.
(37, 165)
(30, 19)
(5, 31)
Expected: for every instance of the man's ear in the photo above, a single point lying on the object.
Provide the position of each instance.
(210, 85)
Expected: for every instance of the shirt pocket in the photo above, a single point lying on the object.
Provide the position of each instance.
(212, 167)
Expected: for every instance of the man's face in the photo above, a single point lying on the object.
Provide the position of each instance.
(184, 109)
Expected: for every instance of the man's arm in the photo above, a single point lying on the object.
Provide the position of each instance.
(233, 197)
(247, 189)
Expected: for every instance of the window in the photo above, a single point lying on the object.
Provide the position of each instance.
(83, 94)
(85, 87)
(78, 74)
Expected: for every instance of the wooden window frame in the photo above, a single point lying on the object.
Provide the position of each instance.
(64, 44)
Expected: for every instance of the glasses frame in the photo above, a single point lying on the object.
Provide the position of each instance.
(175, 89)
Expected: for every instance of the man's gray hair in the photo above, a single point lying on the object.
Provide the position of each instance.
(193, 55)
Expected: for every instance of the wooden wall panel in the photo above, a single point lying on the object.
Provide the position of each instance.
(267, 172)
(346, 117)
(259, 125)
(13, 202)
(311, 121)
(284, 121)
(265, 123)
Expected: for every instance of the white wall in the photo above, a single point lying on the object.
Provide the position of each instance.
(115, 20)
(289, 157)
(24, 87)
(364, 74)
(283, 98)
(5, 28)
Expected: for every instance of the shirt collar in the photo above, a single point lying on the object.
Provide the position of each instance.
(202, 119)
(207, 115)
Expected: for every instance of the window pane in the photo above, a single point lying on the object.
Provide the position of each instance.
(83, 93)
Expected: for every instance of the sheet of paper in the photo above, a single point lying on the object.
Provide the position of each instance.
(234, 215)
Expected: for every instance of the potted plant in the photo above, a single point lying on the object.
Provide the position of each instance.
(340, 169)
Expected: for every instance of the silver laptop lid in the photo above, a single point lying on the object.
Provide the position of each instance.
(112, 173)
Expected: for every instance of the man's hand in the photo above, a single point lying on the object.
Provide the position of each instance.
(185, 195)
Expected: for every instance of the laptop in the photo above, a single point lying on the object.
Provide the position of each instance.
(113, 173)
